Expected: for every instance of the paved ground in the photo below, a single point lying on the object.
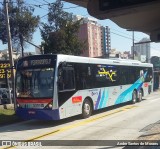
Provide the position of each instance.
(151, 136)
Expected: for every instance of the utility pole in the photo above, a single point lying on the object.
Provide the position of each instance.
(10, 49)
(133, 43)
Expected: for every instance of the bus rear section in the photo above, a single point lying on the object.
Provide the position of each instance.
(34, 88)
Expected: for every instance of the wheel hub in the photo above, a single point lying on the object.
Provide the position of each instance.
(87, 108)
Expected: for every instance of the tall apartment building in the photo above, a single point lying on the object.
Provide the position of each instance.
(142, 51)
(106, 40)
(95, 36)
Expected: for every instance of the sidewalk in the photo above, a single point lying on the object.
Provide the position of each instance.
(150, 138)
(151, 135)
(151, 132)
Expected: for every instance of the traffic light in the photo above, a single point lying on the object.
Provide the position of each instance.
(103, 9)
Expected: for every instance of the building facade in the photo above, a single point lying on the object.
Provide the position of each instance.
(142, 50)
(95, 36)
(4, 54)
(106, 41)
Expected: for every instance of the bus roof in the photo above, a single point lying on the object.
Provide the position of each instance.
(112, 61)
(81, 59)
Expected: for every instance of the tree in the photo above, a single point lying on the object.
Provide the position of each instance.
(60, 32)
(22, 22)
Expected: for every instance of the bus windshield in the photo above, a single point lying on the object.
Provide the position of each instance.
(35, 83)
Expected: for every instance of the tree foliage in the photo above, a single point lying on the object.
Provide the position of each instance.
(22, 22)
(60, 32)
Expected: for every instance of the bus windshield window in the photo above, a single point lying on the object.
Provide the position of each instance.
(35, 83)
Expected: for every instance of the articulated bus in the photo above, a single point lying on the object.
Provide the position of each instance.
(54, 87)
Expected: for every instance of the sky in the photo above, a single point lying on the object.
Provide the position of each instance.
(120, 38)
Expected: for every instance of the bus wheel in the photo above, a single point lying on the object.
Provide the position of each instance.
(140, 96)
(134, 97)
(86, 109)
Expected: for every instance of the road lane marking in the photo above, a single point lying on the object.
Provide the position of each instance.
(90, 120)
(82, 122)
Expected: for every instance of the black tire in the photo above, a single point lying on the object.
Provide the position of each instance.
(87, 109)
(134, 97)
(140, 96)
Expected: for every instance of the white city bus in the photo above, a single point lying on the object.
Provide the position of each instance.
(54, 87)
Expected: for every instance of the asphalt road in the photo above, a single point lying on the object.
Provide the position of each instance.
(114, 127)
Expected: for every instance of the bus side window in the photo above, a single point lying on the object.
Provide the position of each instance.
(132, 74)
(83, 81)
(66, 79)
(60, 79)
(84, 76)
(123, 79)
(69, 79)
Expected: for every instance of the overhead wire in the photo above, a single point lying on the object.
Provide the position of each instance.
(137, 39)
(130, 39)
(121, 35)
(48, 4)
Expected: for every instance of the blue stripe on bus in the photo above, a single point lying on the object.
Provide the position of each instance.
(105, 99)
(139, 87)
(38, 114)
(102, 99)
(98, 100)
(127, 94)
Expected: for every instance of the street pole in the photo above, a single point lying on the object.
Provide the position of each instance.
(10, 48)
(133, 43)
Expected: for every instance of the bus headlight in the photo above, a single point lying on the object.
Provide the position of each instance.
(50, 105)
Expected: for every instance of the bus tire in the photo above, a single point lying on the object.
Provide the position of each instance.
(140, 95)
(134, 97)
(87, 108)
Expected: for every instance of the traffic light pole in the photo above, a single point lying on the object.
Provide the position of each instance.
(10, 48)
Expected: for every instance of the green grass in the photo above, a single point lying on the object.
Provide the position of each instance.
(7, 116)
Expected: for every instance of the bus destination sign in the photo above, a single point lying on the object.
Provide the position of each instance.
(36, 62)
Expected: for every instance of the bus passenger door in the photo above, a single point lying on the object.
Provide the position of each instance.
(66, 87)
